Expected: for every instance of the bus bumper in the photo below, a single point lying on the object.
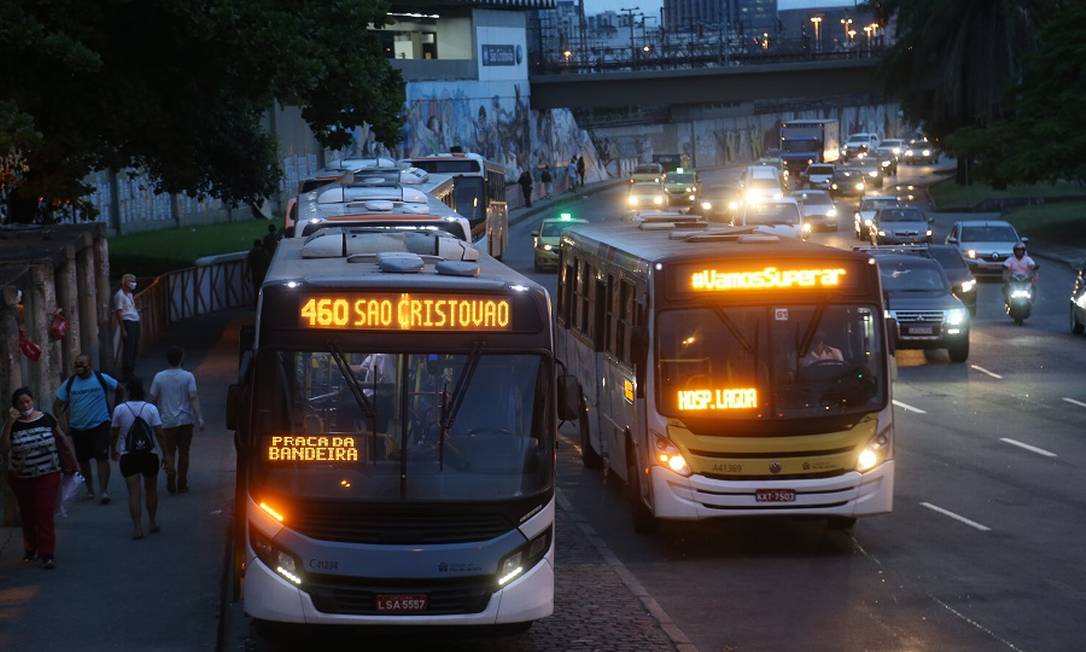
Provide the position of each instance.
(698, 497)
(270, 597)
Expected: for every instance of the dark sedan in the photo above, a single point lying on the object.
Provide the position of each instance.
(919, 298)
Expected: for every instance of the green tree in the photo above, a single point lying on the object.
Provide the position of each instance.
(179, 89)
(953, 60)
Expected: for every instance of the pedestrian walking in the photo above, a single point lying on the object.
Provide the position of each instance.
(137, 429)
(39, 452)
(580, 169)
(128, 320)
(547, 179)
(571, 174)
(525, 181)
(173, 391)
(84, 398)
(259, 260)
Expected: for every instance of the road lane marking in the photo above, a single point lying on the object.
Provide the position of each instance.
(985, 371)
(909, 408)
(1039, 451)
(1074, 402)
(957, 517)
(666, 623)
(975, 624)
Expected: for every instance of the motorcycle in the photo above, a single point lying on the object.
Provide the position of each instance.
(1018, 297)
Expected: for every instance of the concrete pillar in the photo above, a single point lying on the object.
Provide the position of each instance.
(87, 285)
(11, 376)
(39, 304)
(103, 300)
(68, 300)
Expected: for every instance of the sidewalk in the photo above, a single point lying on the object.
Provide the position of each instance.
(109, 592)
(518, 215)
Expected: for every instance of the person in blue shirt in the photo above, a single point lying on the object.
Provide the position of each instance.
(84, 397)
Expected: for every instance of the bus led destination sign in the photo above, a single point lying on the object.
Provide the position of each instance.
(768, 278)
(705, 400)
(312, 448)
(406, 312)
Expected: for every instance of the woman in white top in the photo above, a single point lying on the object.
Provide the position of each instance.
(137, 429)
(128, 321)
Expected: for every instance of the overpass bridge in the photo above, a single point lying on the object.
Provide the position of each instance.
(735, 84)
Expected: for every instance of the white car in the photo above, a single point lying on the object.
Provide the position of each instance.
(864, 217)
(781, 217)
(818, 209)
(819, 175)
(863, 141)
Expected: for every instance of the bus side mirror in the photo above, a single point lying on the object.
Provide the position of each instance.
(233, 401)
(569, 398)
(891, 335)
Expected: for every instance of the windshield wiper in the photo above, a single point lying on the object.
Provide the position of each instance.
(450, 406)
(368, 410)
(808, 335)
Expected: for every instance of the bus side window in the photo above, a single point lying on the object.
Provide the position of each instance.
(565, 283)
(599, 314)
(584, 290)
(625, 322)
(610, 319)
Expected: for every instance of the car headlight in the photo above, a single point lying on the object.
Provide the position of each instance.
(833, 186)
(656, 180)
(632, 200)
(806, 228)
(877, 451)
(896, 151)
(668, 456)
(1021, 294)
(733, 205)
(831, 212)
(969, 286)
(926, 152)
(522, 559)
(706, 206)
(881, 232)
(873, 174)
(955, 317)
(885, 164)
(859, 185)
(689, 189)
(928, 233)
(658, 199)
(868, 222)
(547, 247)
(972, 253)
(909, 152)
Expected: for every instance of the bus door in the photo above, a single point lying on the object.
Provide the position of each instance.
(619, 353)
(497, 212)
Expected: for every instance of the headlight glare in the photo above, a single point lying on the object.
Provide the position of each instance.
(969, 285)
(1021, 294)
(547, 247)
(658, 200)
(972, 253)
(878, 450)
(632, 200)
(708, 206)
(831, 212)
(667, 455)
(955, 317)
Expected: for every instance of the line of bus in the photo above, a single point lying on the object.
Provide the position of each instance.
(395, 422)
(728, 372)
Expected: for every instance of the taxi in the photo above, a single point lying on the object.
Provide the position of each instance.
(682, 188)
(545, 240)
(647, 173)
(645, 195)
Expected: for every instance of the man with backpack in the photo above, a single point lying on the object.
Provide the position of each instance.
(137, 429)
(84, 396)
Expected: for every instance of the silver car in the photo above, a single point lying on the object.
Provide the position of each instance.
(818, 209)
(984, 244)
(900, 225)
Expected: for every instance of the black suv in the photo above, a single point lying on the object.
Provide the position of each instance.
(919, 297)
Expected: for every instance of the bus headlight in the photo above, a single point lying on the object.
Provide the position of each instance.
(877, 451)
(524, 558)
(955, 317)
(658, 200)
(968, 286)
(668, 456)
(283, 562)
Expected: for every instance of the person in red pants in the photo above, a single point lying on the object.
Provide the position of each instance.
(36, 446)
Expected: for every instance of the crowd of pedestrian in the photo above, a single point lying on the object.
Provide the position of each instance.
(140, 431)
(574, 172)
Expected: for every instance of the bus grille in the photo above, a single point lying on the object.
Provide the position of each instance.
(354, 595)
(392, 528)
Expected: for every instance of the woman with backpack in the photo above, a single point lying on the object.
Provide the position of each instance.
(38, 451)
(137, 429)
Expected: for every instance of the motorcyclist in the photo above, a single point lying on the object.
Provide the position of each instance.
(1019, 263)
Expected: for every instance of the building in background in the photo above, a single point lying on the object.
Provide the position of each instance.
(834, 28)
(742, 17)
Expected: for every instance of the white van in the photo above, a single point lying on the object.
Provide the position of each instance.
(761, 183)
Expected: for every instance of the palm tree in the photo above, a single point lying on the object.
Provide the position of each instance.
(954, 60)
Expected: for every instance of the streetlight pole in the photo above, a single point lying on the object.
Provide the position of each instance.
(817, 21)
(630, 17)
(846, 23)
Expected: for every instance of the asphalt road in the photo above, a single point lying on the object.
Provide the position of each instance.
(984, 549)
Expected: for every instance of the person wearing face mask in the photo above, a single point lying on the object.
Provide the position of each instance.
(37, 447)
(128, 320)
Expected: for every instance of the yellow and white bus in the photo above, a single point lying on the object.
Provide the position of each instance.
(728, 372)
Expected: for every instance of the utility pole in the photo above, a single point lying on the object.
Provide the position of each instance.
(584, 32)
(630, 18)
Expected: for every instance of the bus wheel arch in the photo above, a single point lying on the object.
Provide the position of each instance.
(644, 521)
(589, 456)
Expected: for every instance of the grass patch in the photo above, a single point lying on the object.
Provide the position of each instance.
(1063, 223)
(151, 253)
(948, 194)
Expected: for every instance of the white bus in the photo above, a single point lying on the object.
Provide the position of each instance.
(728, 372)
(478, 194)
(395, 423)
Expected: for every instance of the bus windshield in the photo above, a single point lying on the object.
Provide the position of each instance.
(469, 199)
(415, 427)
(769, 362)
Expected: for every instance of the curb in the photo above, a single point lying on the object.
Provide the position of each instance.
(546, 204)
